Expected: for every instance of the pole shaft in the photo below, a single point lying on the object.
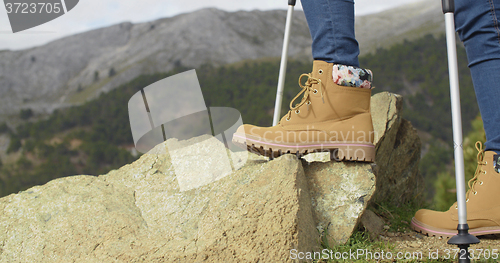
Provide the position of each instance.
(456, 117)
(281, 78)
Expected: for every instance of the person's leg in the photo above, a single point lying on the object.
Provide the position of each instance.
(486, 79)
(331, 23)
(478, 26)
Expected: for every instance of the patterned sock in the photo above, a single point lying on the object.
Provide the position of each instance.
(351, 76)
(496, 162)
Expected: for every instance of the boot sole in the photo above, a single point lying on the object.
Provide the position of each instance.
(446, 233)
(341, 151)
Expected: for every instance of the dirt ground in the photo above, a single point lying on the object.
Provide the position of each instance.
(411, 241)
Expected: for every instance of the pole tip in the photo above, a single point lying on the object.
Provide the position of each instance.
(292, 2)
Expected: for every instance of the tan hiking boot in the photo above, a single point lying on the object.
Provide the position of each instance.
(329, 117)
(483, 206)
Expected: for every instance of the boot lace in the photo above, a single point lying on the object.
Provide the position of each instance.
(306, 89)
(479, 170)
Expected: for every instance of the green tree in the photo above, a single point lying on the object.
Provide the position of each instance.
(111, 72)
(4, 128)
(26, 114)
(14, 145)
(445, 194)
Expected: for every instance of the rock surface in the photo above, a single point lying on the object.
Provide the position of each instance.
(372, 223)
(340, 192)
(137, 213)
(397, 151)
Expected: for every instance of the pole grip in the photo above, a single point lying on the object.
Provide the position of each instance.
(292, 2)
(448, 6)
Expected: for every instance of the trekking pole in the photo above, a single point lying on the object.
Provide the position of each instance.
(463, 239)
(284, 54)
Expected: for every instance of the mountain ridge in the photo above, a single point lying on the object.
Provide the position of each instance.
(77, 68)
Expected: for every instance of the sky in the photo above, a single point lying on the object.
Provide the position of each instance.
(91, 14)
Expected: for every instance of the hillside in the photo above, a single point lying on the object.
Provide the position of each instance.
(410, 22)
(74, 69)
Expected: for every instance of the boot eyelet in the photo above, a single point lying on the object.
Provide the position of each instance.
(485, 162)
(308, 102)
(481, 183)
(456, 207)
(315, 91)
(320, 71)
(297, 111)
(287, 119)
(475, 192)
(484, 172)
(467, 200)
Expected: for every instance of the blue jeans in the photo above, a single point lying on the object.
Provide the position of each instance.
(331, 23)
(478, 27)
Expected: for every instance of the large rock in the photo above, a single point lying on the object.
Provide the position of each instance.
(138, 213)
(146, 212)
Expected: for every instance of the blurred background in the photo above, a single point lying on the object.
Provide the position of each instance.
(65, 85)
